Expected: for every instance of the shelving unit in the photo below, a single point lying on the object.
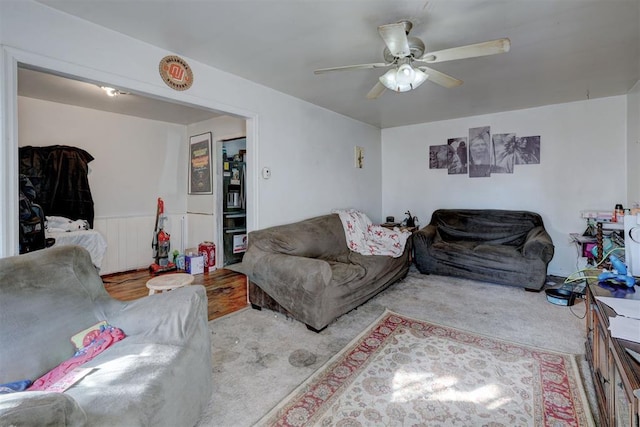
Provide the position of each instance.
(600, 226)
(234, 214)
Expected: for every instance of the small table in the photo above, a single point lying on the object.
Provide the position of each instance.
(169, 282)
(393, 225)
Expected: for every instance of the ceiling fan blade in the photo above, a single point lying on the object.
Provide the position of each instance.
(376, 91)
(442, 79)
(395, 37)
(470, 51)
(352, 67)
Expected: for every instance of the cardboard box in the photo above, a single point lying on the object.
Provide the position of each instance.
(239, 243)
(194, 264)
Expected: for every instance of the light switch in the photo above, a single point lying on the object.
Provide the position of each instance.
(266, 173)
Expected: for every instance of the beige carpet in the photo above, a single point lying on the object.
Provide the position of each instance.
(404, 371)
(259, 357)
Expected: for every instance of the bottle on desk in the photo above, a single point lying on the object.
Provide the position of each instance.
(618, 214)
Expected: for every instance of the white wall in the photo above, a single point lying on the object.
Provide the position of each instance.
(583, 151)
(134, 158)
(135, 162)
(311, 157)
(633, 146)
(221, 128)
(203, 211)
(309, 149)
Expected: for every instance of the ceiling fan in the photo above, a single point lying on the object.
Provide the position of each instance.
(407, 54)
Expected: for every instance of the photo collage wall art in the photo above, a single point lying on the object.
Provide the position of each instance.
(481, 154)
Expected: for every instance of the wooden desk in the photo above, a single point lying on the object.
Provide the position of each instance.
(616, 375)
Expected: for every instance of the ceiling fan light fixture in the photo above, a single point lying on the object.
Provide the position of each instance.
(110, 91)
(397, 79)
(419, 78)
(406, 54)
(388, 79)
(405, 74)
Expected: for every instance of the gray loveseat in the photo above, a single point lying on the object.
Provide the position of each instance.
(306, 271)
(498, 246)
(158, 375)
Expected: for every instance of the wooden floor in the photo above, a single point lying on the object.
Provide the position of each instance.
(226, 289)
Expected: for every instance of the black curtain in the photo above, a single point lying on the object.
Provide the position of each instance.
(59, 174)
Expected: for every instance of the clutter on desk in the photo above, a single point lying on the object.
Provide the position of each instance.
(617, 290)
(615, 278)
(626, 325)
(625, 328)
(410, 221)
(618, 214)
(618, 274)
(606, 232)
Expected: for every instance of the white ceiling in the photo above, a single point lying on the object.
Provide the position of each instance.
(561, 50)
(55, 88)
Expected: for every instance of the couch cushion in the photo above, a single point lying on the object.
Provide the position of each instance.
(41, 409)
(537, 245)
(138, 383)
(59, 302)
(344, 272)
(159, 375)
(490, 226)
(319, 237)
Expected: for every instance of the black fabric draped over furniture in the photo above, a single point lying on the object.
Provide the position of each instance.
(59, 174)
(498, 246)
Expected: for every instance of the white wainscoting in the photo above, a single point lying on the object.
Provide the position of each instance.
(129, 240)
(200, 228)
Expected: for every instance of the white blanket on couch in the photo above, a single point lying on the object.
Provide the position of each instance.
(368, 239)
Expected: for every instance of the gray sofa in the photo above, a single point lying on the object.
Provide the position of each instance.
(158, 375)
(306, 271)
(498, 246)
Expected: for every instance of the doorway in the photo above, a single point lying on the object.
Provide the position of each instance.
(234, 200)
(49, 93)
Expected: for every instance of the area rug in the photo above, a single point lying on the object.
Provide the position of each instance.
(408, 372)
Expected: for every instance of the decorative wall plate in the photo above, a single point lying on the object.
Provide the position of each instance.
(175, 72)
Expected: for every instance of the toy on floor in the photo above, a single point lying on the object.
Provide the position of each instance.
(619, 274)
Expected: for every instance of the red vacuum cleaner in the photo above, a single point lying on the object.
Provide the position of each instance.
(161, 244)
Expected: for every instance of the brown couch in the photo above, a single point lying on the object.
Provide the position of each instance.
(507, 247)
(306, 270)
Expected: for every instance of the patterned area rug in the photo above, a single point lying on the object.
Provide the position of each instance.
(408, 372)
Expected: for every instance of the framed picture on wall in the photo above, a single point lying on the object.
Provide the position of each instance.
(200, 171)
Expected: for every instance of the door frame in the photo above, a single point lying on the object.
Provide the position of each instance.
(10, 58)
